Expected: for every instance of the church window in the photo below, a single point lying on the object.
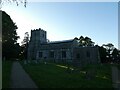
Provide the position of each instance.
(63, 54)
(77, 55)
(51, 54)
(40, 54)
(43, 35)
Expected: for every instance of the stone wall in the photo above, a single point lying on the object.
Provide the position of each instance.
(86, 55)
(57, 54)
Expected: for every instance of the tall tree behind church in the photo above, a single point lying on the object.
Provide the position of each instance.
(24, 45)
(85, 41)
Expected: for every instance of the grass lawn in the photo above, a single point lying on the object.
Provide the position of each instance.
(55, 76)
(6, 72)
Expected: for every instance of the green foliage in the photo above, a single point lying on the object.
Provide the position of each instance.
(8, 29)
(10, 47)
(103, 54)
(24, 46)
(108, 53)
(109, 47)
(116, 55)
(85, 41)
(115, 52)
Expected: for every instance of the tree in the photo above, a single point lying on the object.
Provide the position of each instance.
(103, 54)
(88, 41)
(116, 55)
(109, 47)
(85, 41)
(76, 38)
(9, 37)
(11, 1)
(24, 45)
(81, 41)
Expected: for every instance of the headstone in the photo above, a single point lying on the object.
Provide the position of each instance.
(4, 58)
(90, 74)
(29, 61)
(68, 70)
(119, 76)
(36, 61)
(25, 62)
(76, 70)
(116, 77)
(45, 63)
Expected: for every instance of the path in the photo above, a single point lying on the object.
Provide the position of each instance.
(19, 78)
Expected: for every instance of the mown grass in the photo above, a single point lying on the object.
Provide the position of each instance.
(6, 73)
(53, 76)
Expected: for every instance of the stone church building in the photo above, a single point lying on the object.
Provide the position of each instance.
(59, 51)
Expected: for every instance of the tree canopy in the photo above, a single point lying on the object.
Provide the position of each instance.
(108, 53)
(85, 41)
(24, 46)
(116, 55)
(10, 47)
(103, 54)
(109, 47)
(12, 1)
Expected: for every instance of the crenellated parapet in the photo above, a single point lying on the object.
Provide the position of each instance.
(38, 35)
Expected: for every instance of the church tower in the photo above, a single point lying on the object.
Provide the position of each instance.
(38, 36)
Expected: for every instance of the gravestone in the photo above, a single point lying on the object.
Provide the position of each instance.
(90, 74)
(29, 61)
(4, 58)
(36, 61)
(68, 70)
(119, 76)
(25, 62)
(116, 77)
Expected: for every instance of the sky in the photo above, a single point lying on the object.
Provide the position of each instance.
(67, 20)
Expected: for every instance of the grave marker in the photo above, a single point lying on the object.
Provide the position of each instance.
(116, 77)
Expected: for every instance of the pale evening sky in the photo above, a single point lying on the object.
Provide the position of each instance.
(66, 20)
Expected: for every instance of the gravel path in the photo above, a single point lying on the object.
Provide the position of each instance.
(19, 78)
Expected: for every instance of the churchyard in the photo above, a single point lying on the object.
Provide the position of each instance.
(56, 75)
(51, 75)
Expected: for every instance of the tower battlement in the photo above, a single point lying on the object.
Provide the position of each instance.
(39, 35)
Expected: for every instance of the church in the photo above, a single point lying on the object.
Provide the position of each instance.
(39, 48)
